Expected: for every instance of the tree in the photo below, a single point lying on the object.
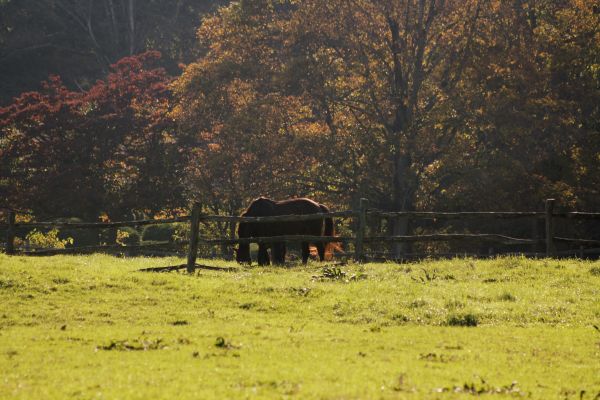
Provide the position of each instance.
(237, 126)
(365, 75)
(111, 149)
(535, 99)
(413, 104)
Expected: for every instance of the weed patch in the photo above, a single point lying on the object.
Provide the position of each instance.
(301, 291)
(418, 303)
(426, 276)
(61, 280)
(506, 296)
(7, 284)
(479, 389)
(223, 343)
(337, 274)
(247, 306)
(134, 345)
(434, 357)
(463, 320)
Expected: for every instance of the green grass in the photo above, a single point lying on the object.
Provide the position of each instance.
(94, 327)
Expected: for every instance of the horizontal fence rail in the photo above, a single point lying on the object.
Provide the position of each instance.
(359, 238)
(481, 214)
(100, 225)
(285, 238)
(454, 215)
(577, 215)
(278, 218)
(93, 249)
(452, 236)
(577, 241)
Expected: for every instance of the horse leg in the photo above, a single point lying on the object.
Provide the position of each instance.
(275, 254)
(321, 250)
(278, 253)
(263, 255)
(282, 253)
(305, 252)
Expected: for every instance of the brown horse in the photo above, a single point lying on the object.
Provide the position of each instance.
(263, 207)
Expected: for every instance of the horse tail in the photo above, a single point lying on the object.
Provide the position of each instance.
(329, 230)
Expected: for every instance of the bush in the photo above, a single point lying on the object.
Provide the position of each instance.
(128, 236)
(158, 233)
(40, 240)
(81, 237)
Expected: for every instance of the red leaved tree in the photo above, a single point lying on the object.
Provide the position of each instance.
(110, 150)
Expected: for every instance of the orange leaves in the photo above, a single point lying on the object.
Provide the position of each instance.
(384, 96)
(240, 94)
(214, 147)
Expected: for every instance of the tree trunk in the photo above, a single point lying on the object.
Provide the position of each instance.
(131, 27)
(402, 200)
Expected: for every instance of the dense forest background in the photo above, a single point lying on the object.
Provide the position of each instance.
(114, 108)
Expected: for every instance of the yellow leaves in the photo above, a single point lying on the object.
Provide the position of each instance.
(311, 129)
(587, 6)
(122, 237)
(240, 94)
(177, 112)
(170, 213)
(499, 70)
(168, 138)
(50, 240)
(21, 218)
(433, 167)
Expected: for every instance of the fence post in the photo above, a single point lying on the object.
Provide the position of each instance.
(550, 248)
(10, 233)
(194, 231)
(359, 254)
(535, 236)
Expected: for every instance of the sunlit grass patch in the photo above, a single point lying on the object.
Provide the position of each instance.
(79, 326)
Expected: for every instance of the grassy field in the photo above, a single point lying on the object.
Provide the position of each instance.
(95, 327)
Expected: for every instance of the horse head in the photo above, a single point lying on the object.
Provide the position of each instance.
(259, 207)
(242, 253)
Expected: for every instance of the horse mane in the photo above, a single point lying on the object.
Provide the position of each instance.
(295, 200)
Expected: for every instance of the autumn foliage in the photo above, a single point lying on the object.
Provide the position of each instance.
(109, 149)
(426, 104)
(413, 104)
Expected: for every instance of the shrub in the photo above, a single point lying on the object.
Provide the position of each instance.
(158, 233)
(81, 237)
(128, 236)
(40, 240)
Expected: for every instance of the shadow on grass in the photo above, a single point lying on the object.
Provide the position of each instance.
(181, 267)
(172, 268)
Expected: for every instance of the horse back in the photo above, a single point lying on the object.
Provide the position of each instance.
(297, 206)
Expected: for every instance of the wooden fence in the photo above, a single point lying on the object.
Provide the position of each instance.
(359, 238)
